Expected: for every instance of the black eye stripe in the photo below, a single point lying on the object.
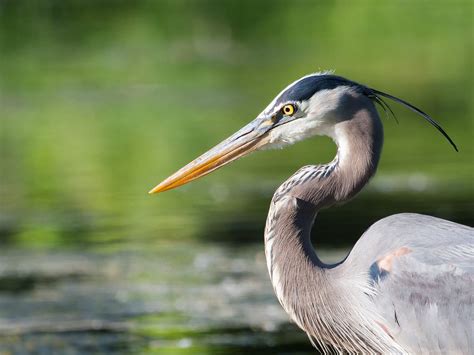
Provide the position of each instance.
(306, 87)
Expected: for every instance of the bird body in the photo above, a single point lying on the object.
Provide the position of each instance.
(406, 286)
(410, 284)
(422, 274)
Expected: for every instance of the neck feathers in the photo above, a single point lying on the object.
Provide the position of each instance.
(303, 284)
(359, 142)
(359, 138)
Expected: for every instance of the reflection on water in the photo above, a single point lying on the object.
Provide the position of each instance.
(99, 102)
(197, 298)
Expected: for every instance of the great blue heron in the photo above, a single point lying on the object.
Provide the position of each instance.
(407, 285)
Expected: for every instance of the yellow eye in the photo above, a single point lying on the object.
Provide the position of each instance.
(288, 109)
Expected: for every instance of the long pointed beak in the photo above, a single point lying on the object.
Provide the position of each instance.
(248, 139)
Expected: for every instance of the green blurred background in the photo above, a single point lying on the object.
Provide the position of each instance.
(101, 100)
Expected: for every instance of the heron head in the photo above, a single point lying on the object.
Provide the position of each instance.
(310, 106)
(305, 108)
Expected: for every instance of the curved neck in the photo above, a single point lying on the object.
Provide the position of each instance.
(297, 201)
(359, 141)
(298, 276)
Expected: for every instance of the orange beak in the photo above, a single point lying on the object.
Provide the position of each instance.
(245, 141)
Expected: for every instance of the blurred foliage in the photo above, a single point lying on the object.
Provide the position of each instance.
(100, 100)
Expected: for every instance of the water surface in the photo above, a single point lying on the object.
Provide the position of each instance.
(180, 297)
(101, 100)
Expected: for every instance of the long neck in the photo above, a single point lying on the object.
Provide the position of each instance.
(304, 285)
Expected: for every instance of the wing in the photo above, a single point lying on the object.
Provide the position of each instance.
(422, 271)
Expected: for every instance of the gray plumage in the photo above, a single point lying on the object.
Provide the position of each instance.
(406, 286)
